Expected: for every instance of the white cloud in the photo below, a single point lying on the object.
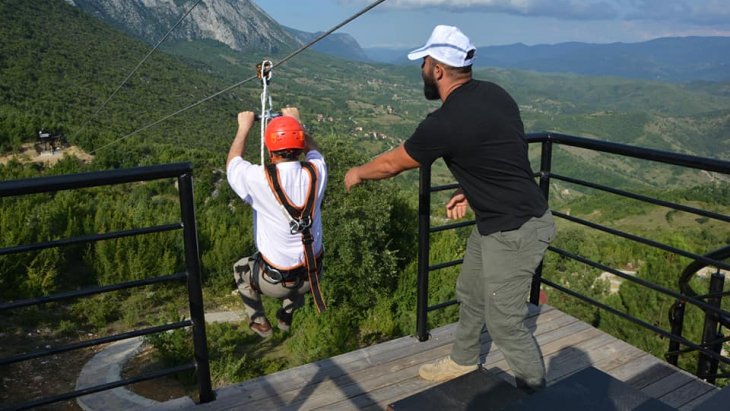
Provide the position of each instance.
(701, 12)
(564, 9)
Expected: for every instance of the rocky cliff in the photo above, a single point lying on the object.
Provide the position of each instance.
(239, 24)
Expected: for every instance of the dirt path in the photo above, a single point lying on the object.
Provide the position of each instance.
(29, 154)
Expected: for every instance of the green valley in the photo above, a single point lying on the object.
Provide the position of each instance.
(57, 76)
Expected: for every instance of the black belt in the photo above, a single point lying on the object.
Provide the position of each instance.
(287, 278)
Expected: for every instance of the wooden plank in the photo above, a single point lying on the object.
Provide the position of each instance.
(394, 392)
(687, 393)
(667, 384)
(573, 356)
(357, 383)
(663, 381)
(380, 398)
(692, 405)
(587, 390)
(624, 354)
(477, 387)
(642, 371)
(329, 392)
(414, 360)
(549, 343)
(375, 376)
(573, 359)
(341, 365)
(569, 331)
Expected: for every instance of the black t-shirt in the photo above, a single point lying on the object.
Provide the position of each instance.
(479, 133)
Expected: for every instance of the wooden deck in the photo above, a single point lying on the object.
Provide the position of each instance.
(374, 377)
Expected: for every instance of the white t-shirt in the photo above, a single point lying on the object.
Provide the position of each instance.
(270, 226)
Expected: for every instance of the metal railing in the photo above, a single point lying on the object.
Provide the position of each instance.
(183, 173)
(710, 304)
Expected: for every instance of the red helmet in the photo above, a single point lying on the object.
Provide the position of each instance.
(284, 133)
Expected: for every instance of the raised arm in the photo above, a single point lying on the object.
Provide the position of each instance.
(310, 143)
(245, 121)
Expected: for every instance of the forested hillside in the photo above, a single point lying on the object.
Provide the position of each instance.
(57, 75)
(55, 84)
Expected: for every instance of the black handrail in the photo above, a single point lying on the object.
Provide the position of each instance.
(87, 239)
(183, 173)
(693, 267)
(102, 387)
(709, 346)
(660, 156)
(91, 291)
(713, 317)
(646, 199)
(93, 342)
(92, 179)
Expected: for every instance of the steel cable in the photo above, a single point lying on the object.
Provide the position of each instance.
(229, 88)
(134, 70)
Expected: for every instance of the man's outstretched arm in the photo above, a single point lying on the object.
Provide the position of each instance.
(386, 165)
(245, 121)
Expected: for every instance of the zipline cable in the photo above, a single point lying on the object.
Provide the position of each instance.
(229, 88)
(327, 33)
(149, 53)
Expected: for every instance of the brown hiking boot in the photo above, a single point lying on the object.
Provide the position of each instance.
(444, 369)
(264, 330)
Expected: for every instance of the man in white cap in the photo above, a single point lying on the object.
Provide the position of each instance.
(478, 131)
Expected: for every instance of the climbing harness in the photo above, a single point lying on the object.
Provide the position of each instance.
(300, 221)
(300, 218)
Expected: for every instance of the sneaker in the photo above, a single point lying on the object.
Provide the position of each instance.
(444, 369)
(285, 319)
(264, 330)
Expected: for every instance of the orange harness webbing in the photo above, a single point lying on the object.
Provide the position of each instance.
(300, 221)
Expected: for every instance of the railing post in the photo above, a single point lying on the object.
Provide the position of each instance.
(424, 224)
(706, 365)
(546, 159)
(676, 319)
(195, 288)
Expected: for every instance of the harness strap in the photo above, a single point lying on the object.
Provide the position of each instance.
(256, 272)
(295, 214)
(300, 221)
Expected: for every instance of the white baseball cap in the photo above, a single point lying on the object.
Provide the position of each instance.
(448, 45)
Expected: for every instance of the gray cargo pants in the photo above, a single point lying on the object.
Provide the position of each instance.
(291, 298)
(492, 288)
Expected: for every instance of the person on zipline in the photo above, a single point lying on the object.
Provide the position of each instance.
(478, 131)
(286, 198)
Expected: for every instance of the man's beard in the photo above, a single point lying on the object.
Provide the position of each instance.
(430, 90)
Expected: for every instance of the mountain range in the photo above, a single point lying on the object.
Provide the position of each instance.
(675, 59)
(243, 26)
(57, 76)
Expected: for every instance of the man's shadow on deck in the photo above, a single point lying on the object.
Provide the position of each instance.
(327, 369)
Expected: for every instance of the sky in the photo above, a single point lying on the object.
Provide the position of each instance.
(408, 23)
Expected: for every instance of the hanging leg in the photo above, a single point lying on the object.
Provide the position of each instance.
(242, 272)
